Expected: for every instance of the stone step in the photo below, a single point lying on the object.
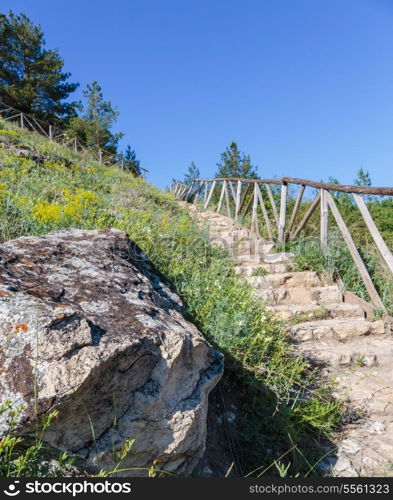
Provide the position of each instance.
(233, 235)
(361, 352)
(266, 258)
(319, 295)
(335, 329)
(369, 388)
(249, 246)
(254, 269)
(313, 296)
(302, 313)
(289, 280)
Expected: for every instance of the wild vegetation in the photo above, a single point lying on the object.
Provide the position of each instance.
(32, 81)
(337, 262)
(285, 408)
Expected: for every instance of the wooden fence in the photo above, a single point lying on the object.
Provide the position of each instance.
(245, 196)
(54, 133)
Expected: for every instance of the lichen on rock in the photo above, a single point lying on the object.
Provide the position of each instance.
(88, 320)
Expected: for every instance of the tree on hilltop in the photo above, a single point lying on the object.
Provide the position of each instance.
(191, 174)
(363, 178)
(93, 126)
(31, 77)
(234, 163)
(130, 162)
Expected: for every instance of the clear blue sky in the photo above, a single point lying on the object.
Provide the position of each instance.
(304, 86)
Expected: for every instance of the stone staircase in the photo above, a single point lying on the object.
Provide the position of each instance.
(332, 329)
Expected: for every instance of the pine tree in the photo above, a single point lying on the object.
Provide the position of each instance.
(192, 174)
(93, 127)
(363, 178)
(130, 162)
(234, 163)
(31, 77)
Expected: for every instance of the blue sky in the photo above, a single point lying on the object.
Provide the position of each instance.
(304, 86)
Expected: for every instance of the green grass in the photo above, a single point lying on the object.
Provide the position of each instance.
(284, 404)
(337, 264)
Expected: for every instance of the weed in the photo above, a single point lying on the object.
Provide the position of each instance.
(360, 361)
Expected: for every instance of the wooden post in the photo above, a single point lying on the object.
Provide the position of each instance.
(232, 191)
(22, 123)
(210, 195)
(272, 202)
(221, 197)
(196, 196)
(183, 192)
(237, 202)
(264, 212)
(205, 193)
(324, 220)
(50, 132)
(254, 216)
(100, 155)
(227, 200)
(283, 210)
(189, 191)
(295, 210)
(307, 216)
(375, 298)
(245, 193)
(379, 241)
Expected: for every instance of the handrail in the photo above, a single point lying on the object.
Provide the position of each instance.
(381, 191)
(52, 134)
(242, 195)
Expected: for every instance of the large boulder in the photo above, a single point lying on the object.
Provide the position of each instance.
(90, 328)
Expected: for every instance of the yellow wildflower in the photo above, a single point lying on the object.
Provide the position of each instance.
(9, 132)
(47, 212)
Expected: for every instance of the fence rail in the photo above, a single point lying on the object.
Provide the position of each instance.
(55, 133)
(245, 196)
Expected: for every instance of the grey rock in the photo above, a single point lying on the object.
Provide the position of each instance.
(86, 318)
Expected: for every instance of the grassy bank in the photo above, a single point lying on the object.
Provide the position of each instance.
(286, 409)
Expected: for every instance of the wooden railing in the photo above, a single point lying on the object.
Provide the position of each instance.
(259, 197)
(54, 133)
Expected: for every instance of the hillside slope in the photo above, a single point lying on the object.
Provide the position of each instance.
(278, 425)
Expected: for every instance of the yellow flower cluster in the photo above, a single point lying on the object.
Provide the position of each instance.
(51, 165)
(75, 206)
(77, 202)
(3, 190)
(75, 167)
(47, 212)
(9, 132)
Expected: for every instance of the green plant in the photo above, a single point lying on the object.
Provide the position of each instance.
(260, 272)
(336, 263)
(18, 459)
(360, 361)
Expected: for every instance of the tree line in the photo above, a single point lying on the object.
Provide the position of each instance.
(32, 81)
(235, 163)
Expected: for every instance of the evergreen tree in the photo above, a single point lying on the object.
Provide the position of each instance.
(93, 127)
(192, 173)
(131, 163)
(31, 77)
(363, 178)
(234, 163)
